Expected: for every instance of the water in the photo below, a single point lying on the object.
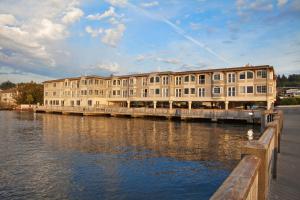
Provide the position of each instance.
(46, 156)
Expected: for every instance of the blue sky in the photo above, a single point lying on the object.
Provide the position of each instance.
(42, 40)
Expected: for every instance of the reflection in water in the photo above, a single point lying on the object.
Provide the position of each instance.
(73, 157)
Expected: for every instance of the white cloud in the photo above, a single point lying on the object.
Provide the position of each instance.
(257, 5)
(73, 15)
(7, 19)
(169, 60)
(281, 2)
(99, 16)
(50, 30)
(111, 67)
(150, 4)
(120, 3)
(93, 32)
(113, 35)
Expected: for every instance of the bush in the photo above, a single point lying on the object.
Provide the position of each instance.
(290, 101)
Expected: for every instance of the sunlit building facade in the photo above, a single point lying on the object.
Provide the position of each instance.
(222, 88)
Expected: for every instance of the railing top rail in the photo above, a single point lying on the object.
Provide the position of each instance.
(240, 181)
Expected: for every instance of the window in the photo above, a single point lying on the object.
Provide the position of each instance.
(152, 80)
(165, 92)
(249, 89)
(114, 82)
(118, 92)
(178, 80)
(157, 91)
(186, 90)
(193, 91)
(131, 81)
(125, 93)
(96, 92)
(261, 89)
(165, 80)
(217, 77)
(186, 78)
(178, 92)
(90, 92)
(157, 79)
(201, 92)
(231, 77)
(216, 90)
(97, 82)
(231, 91)
(114, 92)
(242, 89)
(90, 102)
(90, 81)
(131, 92)
(145, 92)
(192, 78)
(249, 75)
(119, 82)
(261, 74)
(201, 79)
(124, 82)
(54, 84)
(242, 75)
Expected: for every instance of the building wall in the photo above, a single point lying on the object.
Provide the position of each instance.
(235, 85)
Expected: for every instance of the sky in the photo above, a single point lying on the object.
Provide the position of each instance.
(49, 39)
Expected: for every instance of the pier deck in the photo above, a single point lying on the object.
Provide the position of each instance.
(250, 116)
(287, 184)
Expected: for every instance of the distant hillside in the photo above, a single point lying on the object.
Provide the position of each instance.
(292, 80)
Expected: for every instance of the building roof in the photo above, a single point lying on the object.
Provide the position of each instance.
(247, 67)
(11, 90)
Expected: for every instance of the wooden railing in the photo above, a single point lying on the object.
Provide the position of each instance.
(249, 115)
(241, 186)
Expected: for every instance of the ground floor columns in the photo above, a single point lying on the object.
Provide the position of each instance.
(154, 104)
(226, 105)
(269, 105)
(170, 105)
(128, 104)
(190, 105)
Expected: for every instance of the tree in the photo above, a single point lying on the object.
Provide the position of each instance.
(29, 99)
(7, 85)
(29, 93)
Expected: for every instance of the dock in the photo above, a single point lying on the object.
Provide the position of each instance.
(214, 115)
(287, 184)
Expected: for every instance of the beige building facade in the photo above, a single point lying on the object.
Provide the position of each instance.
(225, 88)
(7, 96)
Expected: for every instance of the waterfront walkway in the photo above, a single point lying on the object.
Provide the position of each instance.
(287, 184)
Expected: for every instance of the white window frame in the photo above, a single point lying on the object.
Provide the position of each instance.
(201, 92)
(231, 77)
(231, 91)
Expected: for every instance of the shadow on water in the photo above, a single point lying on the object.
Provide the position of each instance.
(76, 157)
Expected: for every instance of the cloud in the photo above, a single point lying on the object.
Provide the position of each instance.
(50, 30)
(99, 16)
(93, 32)
(7, 19)
(30, 32)
(73, 15)
(249, 5)
(120, 3)
(110, 67)
(169, 60)
(150, 4)
(281, 2)
(113, 35)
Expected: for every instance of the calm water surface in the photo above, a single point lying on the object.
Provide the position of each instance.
(46, 156)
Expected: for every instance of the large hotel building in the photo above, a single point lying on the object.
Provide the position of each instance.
(225, 88)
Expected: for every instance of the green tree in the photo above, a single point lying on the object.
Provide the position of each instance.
(29, 93)
(29, 99)
(7, 85)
